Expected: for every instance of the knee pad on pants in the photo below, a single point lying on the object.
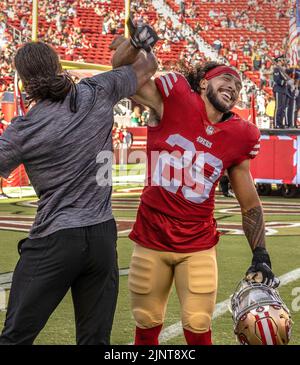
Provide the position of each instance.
(146, 319)
(198, 322)
(147, 310)
(200, 299)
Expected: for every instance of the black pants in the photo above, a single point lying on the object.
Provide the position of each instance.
(291, 113)
(224, 185)
(83, 259)
(280, 110)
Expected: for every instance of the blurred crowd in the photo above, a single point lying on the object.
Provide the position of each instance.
(63, 27)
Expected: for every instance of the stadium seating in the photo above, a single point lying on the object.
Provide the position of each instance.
(276, 29)
(91, 26)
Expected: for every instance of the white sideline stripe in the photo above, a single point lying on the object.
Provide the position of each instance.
(14, 229)
(5, 278)
(129, 178)
(30, 204)
(125, 231)
(123, 272)
(221, 308)
(23, 223)
(19, 216)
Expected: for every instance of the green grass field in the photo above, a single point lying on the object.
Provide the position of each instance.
(233, 258)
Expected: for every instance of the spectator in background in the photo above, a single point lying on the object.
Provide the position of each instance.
(127, 138)
(135, 117)
(145, 116)
(261, 103)
(212, 14)
(232, 58)
(247, 49)
(292, 94)
(3, 123)
(297, 84)
(256, 59)
(224, 186)
(262, 77)
(182, 8)
(277, 51)
(233, 45)
(280, 80)
(243, 67)
(217, 45)
(117, 136)
(166, 46)
(244, 97)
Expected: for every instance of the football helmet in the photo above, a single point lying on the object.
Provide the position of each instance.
(259, 314)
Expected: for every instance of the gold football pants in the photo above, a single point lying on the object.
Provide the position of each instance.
(151, 276)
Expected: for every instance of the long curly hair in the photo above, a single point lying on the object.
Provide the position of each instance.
(41, 73)
(194, 75)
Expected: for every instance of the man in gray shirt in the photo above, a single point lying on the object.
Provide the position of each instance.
(72, 243)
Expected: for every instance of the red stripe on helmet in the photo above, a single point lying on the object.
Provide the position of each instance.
(273, 335)
(261, 330)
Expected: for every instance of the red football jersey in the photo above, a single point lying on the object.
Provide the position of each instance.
(187, 155)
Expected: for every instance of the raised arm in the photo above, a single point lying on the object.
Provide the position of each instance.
(145, 67)
(253, 221)
(147, 93)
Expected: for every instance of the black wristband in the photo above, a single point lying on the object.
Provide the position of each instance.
(260, 250)
(260, 255)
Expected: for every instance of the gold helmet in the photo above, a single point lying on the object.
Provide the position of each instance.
(260, 316)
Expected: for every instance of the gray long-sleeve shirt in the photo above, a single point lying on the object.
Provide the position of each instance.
(59, 150)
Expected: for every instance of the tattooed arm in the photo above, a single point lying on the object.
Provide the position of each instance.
(253, 222)
(252, 213)
(254, 227)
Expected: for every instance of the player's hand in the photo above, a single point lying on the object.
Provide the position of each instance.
(117, 41)
(261, 269)
(142, 36)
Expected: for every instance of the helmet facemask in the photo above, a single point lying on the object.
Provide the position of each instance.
(259, 314)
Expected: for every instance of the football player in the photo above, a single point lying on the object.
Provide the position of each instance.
(192, 138)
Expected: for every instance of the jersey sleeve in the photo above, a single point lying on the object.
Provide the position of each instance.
(172, 85)
(118, 84)
(10, 155)
(251, 144)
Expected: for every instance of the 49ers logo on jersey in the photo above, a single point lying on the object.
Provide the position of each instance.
(210, 130)
(191, 173)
